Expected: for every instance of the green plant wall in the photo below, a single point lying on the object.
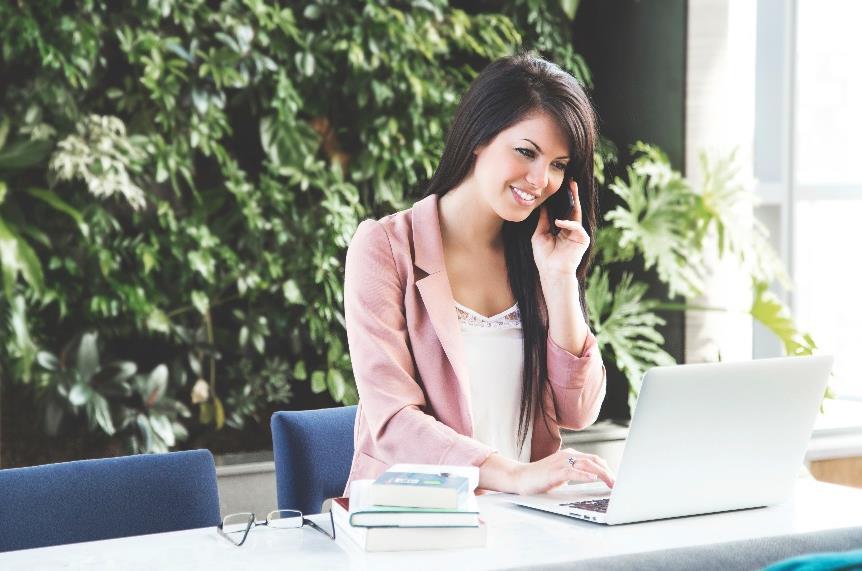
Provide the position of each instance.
(178, 185)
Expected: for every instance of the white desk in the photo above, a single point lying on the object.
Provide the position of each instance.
(517, 537)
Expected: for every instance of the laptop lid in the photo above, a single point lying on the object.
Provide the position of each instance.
(719, 436)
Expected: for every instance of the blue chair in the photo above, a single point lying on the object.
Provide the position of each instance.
(313, 451)
(88, 500)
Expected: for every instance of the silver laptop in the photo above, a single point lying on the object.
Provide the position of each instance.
(706, 438)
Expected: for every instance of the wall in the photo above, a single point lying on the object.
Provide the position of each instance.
(636, 51)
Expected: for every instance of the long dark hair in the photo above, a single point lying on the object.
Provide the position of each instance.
(506, 92)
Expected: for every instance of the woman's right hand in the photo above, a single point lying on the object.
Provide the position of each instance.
(558, 468)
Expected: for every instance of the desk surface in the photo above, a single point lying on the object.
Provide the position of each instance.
(517, 537)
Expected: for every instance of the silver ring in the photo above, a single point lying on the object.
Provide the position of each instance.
(572, 461)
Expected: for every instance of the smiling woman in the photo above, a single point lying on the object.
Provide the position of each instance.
(504, 231)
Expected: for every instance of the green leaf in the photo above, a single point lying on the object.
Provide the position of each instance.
(727, 205)
(31, 267)
(48, 360)
(299, 372)
(53, 417)
(162, 428)
(351, 396)
(25, 154)
(157, 383)
(4, 131)
(178, 50)
(60, 205)
(180, 432)
(202, 263)
(19, 343)
(102, 413)
(570, 7)
(305, 63)
(195, 364)
(116, 374)
(146, 432)
(259, 342)
(218, 413)
(660, 216)
(201, 302)
(291, 292)
(312, 12)
(336, 384)
(318, 382)
(80, 394)
(18, 257)
(768, 309)
(158, 321)
(88, 356)
(206, 413)
(625, 324)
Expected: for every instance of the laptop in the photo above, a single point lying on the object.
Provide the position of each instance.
(706, 438)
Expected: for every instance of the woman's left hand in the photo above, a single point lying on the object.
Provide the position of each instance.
(559, 256)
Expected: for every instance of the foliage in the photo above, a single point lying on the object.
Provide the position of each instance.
(625, 325)
(182, 179)
(666, 223)
(113, 397)
(657, 219)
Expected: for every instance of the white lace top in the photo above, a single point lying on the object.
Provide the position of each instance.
(495, 362)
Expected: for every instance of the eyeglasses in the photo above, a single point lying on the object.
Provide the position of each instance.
(235, 527)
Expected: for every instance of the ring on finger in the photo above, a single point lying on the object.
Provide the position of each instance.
(572, 461)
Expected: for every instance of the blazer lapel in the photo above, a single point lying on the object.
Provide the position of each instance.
(436, 291)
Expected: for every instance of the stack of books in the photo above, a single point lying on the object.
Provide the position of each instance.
(412, 506)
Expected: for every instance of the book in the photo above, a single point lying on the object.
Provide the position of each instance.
(364, 514)
(424, 486)
(401, 538)
(418, 490)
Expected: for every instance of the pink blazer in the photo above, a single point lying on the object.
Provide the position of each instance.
(408, 359)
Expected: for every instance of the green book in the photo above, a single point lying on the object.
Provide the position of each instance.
(363, 512)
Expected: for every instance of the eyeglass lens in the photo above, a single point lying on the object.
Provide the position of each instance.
(284, 519)
(235, 527)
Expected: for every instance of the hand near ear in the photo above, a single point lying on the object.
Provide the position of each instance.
(561, 254)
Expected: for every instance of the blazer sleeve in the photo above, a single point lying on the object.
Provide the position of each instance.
(578, 383)
(393, 402)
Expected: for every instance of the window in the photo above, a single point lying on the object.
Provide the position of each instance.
(808, 161)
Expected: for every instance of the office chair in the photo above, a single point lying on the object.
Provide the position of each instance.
(313, 451)
(89, 500)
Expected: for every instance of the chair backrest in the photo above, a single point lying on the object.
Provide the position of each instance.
(88, 500)
(313, 452)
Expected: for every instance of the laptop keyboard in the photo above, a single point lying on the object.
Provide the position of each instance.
(591, 505)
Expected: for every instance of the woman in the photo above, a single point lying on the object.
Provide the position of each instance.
(500, 233)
